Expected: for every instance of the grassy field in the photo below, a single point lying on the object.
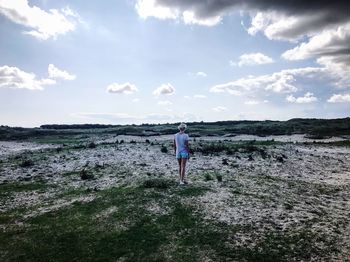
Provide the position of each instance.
(95, 196)
(118, 223)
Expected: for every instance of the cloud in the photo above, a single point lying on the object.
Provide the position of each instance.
(198, 96)
(254, 59)
(198, 74)
(125, 88)
(164, 89)
(252, 102)
(165, 103)
(232, 63)
(135, 100)
(219, 109)
(157, 9)
(332, 50)
(284, 81)
(316, 14)
(41, 24)
(324, 24)
(13, 77)
(291, 27)
(110, 117)
(307, 98)
(54, 72)
(122, 118)
(201, 74)
(339, 98)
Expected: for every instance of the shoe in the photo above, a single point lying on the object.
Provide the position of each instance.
(181, 183)
(185, 182)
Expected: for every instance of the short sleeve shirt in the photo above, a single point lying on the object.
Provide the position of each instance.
(180, 139)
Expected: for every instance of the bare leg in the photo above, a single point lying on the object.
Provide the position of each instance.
(183, 168)
(179, 161)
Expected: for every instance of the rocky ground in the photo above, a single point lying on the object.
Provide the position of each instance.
(282, 197)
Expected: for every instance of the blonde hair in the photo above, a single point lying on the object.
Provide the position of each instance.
(182, 127)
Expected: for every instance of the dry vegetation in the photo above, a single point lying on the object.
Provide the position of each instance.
(108, 197)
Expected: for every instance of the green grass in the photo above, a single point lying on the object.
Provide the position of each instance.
(7, 189)
(344, 143)
(192, 191)
(85, 232)
(58, 139)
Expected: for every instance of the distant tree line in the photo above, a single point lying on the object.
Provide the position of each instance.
(317, 128)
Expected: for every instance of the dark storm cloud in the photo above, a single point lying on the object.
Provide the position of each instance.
(208, 8)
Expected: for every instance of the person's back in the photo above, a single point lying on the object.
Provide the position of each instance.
(182, 151)
(180, 141)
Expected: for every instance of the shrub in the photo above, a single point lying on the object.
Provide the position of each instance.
(208, 177)
(91, 145)
(225, 161)
(219, 177)
(213, 148)
(164, 149)
(157, 183)
(26, 163)
(84, 175)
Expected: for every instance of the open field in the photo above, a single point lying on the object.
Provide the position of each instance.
(104, 196)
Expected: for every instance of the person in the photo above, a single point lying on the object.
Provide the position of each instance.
(182, 151)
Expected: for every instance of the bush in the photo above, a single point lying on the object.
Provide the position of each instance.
(91, 145)
(219, 177)
(26, 163)
(225, 161)
(84, 175)
(213, 148)
(157, 183)
(208, 177)
(164, 149)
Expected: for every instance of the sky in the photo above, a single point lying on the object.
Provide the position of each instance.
(165, 61)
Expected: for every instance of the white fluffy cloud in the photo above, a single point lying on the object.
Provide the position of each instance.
(331, 48)
(254, 59)
(307, 98)
(280, 26)
(278, 82)
(13, 77)
(255, 102)
(219, 109)
(327, 42)
(164, 89)
(339, 98)
(125, 88)
(41, 24)
(153, 8)
(201, 74)
(54, 72)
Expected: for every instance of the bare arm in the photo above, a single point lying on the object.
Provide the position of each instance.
(187, 145)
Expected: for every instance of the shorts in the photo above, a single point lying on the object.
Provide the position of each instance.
(182, 155)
